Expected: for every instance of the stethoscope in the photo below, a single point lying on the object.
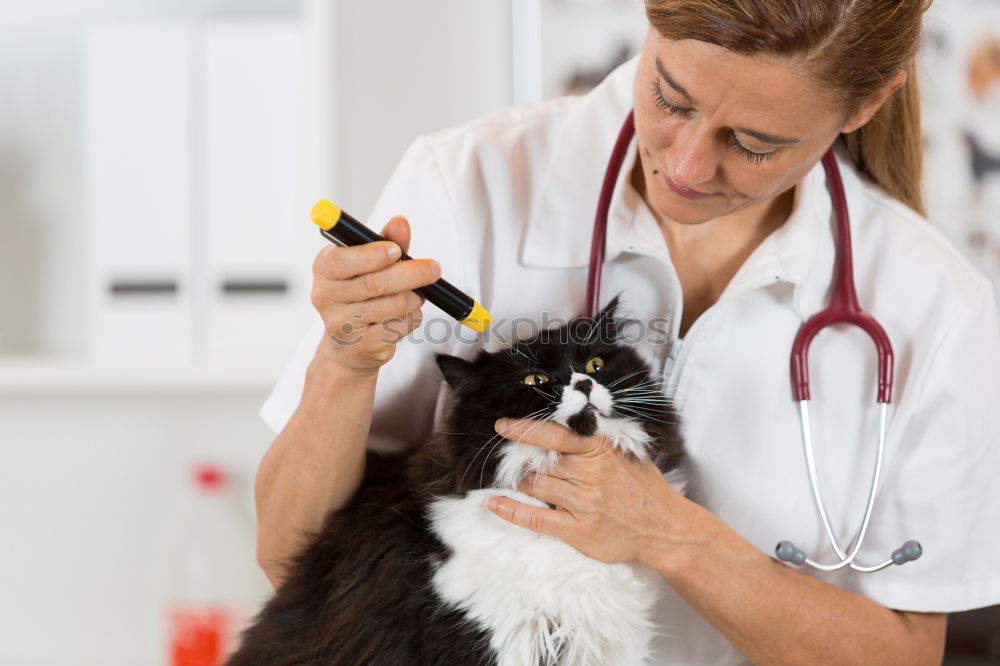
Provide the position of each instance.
(843, 309)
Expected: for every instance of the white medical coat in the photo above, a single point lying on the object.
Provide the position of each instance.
(506, 204)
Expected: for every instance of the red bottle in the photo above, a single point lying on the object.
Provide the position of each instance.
(213, 575)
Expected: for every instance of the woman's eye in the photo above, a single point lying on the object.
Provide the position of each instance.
(595, 364)
(662, 103)
(535, 379)
(751, 155)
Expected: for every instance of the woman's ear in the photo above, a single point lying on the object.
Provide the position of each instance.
(871, 106)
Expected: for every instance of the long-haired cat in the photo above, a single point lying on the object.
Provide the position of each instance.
(416, 571)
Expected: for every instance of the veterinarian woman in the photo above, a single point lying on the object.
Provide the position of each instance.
(720, 228)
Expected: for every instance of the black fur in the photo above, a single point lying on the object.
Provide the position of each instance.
(360, 592)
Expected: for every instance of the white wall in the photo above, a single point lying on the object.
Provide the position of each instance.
(89, 483)
(408, 68)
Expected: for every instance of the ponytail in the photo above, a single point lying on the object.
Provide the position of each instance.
(888, 148)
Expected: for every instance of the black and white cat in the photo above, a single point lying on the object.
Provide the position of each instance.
(415, 570)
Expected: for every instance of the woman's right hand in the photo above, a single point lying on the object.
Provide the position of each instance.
(366, 297)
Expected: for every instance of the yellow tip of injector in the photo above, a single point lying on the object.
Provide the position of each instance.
(325, 214)
(479, 319)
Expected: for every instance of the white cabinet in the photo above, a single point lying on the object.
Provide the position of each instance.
(138, 160)
(195, 156)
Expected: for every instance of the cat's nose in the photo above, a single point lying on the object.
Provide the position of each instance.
(584, 386)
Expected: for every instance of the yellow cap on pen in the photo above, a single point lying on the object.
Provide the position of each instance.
(325, 214)
(479, 319)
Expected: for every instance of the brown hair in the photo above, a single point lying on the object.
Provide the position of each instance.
(854, 46)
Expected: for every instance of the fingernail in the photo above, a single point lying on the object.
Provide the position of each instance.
(493, 504)
(392, 251)
(437, 268)
(500, 424)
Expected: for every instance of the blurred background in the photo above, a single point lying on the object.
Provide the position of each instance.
(158, 159)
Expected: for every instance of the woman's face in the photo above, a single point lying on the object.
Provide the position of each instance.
(724, 131)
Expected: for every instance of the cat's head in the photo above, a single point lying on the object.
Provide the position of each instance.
(579, 375)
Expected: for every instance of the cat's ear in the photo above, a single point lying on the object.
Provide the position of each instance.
(457, 371)
(610, 311)
(608, 322)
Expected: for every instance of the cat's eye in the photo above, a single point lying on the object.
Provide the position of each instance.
(535, 379)
(595, 364)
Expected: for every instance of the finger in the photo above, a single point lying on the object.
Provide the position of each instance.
(401, 276)
(398, 231)
(552, 490)
(388, 328)
(391, 331)
(393, 306)
(534, 518)
(547, 435)
(334, 262)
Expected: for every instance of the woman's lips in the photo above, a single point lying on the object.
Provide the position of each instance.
(685, 192)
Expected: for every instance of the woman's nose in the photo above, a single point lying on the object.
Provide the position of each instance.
(692, 158)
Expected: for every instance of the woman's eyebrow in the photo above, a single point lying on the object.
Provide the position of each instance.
(768, 138)
(760, 136)
(673, 84)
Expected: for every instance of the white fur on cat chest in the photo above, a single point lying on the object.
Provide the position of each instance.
(542, 601)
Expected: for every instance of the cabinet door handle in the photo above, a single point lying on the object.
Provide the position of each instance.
(254, 287)
(138, 287)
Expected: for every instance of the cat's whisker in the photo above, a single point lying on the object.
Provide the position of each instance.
(472, 462)
(551, 399)
(639, 398)
(649, 388)
(621, 379)
(644, 386)
(644, 397)
(499, 439)
(482, 471)
(649, 385)
(626, 378)
(638, 394)
(647, 417)
(520, 352)
(646, 401)
(482, 448)
(544, 419)
(647, 412)
(646, 393)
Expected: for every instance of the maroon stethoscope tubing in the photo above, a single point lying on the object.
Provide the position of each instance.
(843, 307)
(601, 218)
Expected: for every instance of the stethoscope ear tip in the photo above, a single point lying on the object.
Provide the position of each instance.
(909, 551)
(786, 551)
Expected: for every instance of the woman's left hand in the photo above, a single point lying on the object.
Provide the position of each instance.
(609, 506)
